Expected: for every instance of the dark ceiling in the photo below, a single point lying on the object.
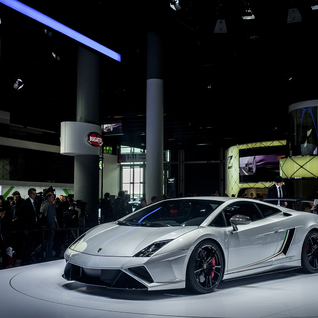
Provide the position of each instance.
(221, 89)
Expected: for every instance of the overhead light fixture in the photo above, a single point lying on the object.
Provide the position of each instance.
(293, 16)
(314, 5)
(175, 5)
(48, 33)
(220, 27)
(56, 56)
(247, 13)
(55, 25)
(18, 84)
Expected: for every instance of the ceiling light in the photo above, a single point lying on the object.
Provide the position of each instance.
(294, 16)
(220, 27)
(55, 25)
(247, 12)
(56, 56)
(248, 15)
(18, 84)
(314, 5)
(175, 5)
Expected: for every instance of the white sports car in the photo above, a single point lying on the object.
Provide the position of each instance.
(193, 243)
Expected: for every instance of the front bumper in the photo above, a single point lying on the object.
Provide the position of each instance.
(135, 273)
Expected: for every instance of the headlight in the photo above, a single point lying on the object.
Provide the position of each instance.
(152, 248)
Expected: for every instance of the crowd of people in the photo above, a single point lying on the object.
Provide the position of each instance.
(121, 206)
(28, 227)
(31, 229)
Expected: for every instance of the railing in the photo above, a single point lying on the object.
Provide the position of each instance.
(63, 237)
(297, 204)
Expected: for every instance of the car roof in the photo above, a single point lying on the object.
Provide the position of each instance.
(211, 198)
(221, 199)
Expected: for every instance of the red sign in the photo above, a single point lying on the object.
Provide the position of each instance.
(95, 139)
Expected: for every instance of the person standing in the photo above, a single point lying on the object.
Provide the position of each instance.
(277, 191)
(48, 210)
(106, 208)
(142, 204)
(116, 210)
(26, 216)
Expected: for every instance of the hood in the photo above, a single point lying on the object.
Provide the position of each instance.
(119, 240)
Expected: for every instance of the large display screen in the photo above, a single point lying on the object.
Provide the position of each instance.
(260, 164)
(112, 129)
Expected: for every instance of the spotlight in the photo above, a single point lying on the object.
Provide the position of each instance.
(293, 16)
(220, 27)
(56, 56)
(18, 84)
(175, 5)
(314, 5)
(48, 33)
(247, 13)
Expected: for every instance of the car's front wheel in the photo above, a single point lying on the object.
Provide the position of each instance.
(309, 255)
(205, 268)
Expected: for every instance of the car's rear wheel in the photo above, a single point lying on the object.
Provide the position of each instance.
(309, 255)
(205, 268)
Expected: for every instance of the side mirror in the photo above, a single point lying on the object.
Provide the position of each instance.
(239, 219)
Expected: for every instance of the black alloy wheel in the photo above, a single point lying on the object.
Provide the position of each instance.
(205, 268)
(309, 257)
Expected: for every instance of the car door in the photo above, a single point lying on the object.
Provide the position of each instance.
(254, 245)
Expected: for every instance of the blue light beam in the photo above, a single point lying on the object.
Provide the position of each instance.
(149, 214)
(55, 25)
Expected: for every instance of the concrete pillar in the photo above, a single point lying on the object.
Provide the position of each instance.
(86, 171)
(154, 119)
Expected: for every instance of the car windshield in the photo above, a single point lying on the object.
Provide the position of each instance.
(183, 212)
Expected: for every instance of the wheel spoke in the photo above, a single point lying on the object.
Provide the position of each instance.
(199, 270)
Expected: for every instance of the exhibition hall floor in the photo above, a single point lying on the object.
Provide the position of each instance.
(40, 291)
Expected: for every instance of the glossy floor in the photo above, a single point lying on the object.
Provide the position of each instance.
(40, 291)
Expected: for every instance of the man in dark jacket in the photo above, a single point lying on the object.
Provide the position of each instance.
(27, 220)
(48, 210)
(116, 210)
(277, 191)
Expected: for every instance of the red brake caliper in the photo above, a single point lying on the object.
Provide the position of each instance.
(307, 249)
(213, 267)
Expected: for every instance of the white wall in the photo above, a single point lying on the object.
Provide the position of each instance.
(111, 175)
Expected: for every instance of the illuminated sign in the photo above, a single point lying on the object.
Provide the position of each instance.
(55, 25)
(299, 167)
(137, 157)
(108, 149)
(94, 139)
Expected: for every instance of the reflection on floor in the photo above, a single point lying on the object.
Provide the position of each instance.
(40, 291)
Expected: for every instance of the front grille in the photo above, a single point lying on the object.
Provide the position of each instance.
(105, 277)
(142, 273)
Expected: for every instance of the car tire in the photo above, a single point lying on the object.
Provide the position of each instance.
(309, 254)
(205, 267)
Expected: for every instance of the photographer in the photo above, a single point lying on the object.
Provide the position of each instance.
(48, 218)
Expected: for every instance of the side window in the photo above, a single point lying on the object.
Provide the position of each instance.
(267, 210)
(243, 208)
(219, 221)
